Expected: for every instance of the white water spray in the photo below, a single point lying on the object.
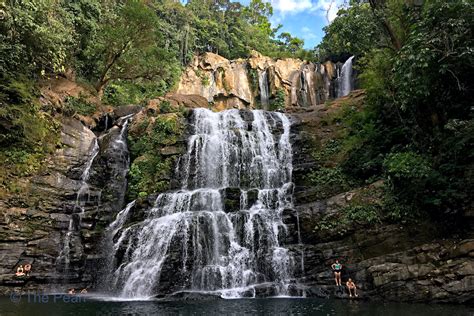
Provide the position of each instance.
(345, 78)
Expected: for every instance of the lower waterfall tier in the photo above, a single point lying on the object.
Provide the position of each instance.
(215, 237)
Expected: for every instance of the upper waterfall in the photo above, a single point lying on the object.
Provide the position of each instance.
(345, 84)
(263, 86)
(223, 228)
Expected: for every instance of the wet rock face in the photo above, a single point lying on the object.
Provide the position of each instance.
(244, 83)
(219, 80)
(33, 225)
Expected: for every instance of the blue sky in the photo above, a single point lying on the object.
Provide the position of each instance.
(304, 18)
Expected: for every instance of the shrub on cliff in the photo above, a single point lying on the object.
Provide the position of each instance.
(26, 133)
(150, 171)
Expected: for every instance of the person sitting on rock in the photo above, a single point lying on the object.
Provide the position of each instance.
(351, 287)
(27, 269)
(337, 268)
(19, 271)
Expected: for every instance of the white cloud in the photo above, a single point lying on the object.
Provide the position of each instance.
(326, 8)
(329, 8)
(291, 6)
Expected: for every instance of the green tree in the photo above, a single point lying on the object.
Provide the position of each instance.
(418, 112)
(35, 37)
(354, 31)
(129, 47)
(289, 43)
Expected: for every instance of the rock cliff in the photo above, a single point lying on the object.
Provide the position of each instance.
(259, 81)
(55, 210)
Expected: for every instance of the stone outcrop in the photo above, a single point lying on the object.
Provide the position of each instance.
(220, 81)
(386, 261)
(258, 80)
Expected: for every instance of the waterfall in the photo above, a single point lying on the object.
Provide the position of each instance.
(81, 198)
(85, 195)
(264, 88)
(120, 171)
(116, 226)
(221, 231)
(345, 79)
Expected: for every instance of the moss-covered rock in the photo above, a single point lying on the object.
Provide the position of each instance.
(156, 140)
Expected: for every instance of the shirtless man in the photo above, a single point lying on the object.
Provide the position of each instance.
(351, 287)
(337, 268)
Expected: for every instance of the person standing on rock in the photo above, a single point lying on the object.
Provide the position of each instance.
(337, 268)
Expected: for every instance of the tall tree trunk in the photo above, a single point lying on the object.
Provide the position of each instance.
(103, 80)
(99, 87)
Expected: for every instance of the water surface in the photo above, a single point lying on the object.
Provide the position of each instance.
(268, 306)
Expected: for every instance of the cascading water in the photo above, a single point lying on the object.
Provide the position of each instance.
(86, 196)
(120, 171)
(81, 198)
(264, 87)
(219, 244)
(345, 79)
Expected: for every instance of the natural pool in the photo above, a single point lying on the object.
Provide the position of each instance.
(90, 305)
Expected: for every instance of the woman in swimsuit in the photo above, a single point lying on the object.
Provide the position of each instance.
(337, 268)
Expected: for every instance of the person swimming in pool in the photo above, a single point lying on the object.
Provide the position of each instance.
(337, 268)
